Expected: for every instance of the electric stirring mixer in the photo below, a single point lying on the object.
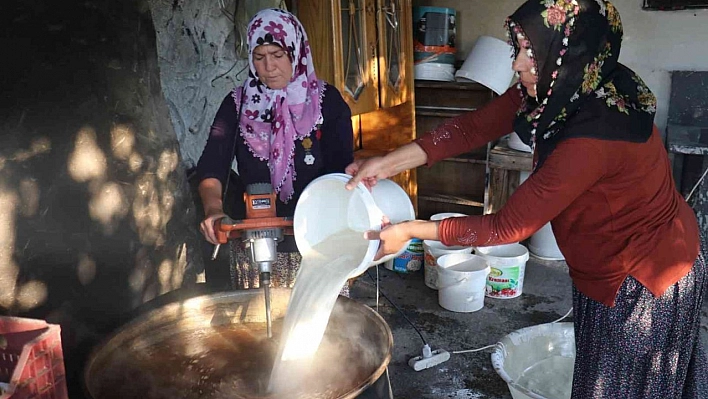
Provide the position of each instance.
(261, 231)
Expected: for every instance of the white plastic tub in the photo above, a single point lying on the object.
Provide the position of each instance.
(537, 362)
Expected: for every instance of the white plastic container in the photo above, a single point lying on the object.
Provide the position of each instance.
(411, 260)
(326, 207)
(461, 282)
(432, 250)
(445, 215)
(393, 201)
(537, 362)
(489, 63)
(508, 268)
(430, 260)
(516, 143)
(543, 245)
(434, 71)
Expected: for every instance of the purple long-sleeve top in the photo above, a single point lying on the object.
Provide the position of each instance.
(332, 149)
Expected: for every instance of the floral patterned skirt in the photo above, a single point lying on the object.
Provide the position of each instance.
(644, 347)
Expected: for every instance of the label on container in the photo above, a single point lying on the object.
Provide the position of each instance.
(505, 282)
(411, 259)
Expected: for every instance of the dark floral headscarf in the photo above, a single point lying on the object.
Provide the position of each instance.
(272, 120)
(582, 91)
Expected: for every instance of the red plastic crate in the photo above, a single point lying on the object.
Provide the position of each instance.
(32, 363)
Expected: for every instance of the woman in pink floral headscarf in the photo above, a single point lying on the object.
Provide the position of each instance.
(283, 126)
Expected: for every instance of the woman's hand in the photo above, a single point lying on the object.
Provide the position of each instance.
(367, 171)
(207, 226)
(393, 237)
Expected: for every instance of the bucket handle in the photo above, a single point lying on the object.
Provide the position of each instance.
(456, 283)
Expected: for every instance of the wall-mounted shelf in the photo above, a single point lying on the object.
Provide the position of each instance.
(455, 184)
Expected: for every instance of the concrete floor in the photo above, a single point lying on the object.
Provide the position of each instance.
(546, 297)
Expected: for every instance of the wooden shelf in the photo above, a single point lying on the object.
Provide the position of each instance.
(441, 112)
(467, 158)
(453, 85)
(455, 184)
(450, 199)
(503, 157)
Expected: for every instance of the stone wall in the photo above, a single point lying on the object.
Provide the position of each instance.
(96, 214)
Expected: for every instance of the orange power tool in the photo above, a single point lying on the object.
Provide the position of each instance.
(261, 220)
(261, 231)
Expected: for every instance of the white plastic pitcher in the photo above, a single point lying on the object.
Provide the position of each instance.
(461, 282)
(432, 251)
(326, 207)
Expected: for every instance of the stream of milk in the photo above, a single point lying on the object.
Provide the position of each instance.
(323, 272)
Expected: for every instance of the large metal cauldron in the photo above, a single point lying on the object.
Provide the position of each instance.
(215, 346)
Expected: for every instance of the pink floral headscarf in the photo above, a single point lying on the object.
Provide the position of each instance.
(272, 120)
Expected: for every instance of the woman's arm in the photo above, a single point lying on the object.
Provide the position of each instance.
(574, 166)
(210, 193)
(217, 156)
(337, 141)
(215, 165)
(369, 170)
(456, 136)
(472, 129)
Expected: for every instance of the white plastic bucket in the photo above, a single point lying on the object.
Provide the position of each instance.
(489, 63)
(429, 265)
(543, 245)
(516, 143)
(326, 207)
(434, 71)
(393, 201)
(445, 215)
(432, 251)
(537, 362)
(508, 268)
(461, 282)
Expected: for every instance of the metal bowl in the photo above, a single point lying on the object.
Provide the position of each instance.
(214, 346)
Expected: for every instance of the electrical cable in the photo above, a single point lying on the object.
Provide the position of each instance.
(698, 183)
(494, 345)
(378, 290)
(425, 342)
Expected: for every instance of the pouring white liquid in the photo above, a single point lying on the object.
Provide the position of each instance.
(323, 272)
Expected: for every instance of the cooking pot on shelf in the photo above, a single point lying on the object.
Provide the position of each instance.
(215, 346)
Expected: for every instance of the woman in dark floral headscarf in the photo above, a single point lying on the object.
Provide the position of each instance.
(575, 60)
(283, 126)
(602, 177)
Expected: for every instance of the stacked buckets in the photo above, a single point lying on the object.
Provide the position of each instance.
(434, 43)
(464, 279)
(432, 250)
